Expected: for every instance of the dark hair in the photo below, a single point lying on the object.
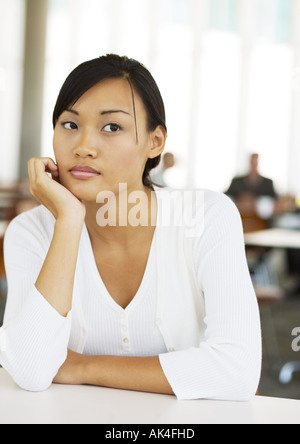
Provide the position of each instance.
(88, 74)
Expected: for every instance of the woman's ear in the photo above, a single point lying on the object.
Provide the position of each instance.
(157, 142)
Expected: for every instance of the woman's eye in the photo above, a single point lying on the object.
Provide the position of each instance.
(69, 125)
(112, 128)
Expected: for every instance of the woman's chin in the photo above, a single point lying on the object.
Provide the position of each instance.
(84, 193)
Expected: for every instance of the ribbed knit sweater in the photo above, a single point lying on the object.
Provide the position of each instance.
(196, 308)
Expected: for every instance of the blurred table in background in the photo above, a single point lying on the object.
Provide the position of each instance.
(8, 201)
(274, 238)
(15, 198)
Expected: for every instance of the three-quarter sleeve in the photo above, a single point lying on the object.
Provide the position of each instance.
(227, 363)
(34, 337)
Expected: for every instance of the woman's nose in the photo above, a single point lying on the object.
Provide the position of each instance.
(83, 151)
(85, 148)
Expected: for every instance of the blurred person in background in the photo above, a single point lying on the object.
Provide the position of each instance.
(252, 184)
(256, 198)
(158, 177)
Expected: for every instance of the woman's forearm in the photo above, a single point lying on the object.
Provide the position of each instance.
(130, 373)
(143, 374)
(56, 279)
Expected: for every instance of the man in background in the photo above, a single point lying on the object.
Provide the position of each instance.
(255, 197)
(252, 184)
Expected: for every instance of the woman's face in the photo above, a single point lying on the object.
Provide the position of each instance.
(99, 132)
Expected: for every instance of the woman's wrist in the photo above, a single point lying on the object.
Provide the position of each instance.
(81, 369)
(71, 220)
(89, 370)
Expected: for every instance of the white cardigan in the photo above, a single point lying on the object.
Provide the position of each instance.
(207, 310)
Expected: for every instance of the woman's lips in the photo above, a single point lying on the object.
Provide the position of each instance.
(83, 172)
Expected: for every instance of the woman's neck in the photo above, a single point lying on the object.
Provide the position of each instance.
(122, 218)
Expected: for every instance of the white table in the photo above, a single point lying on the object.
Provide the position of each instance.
(97, 405)
(274, 238)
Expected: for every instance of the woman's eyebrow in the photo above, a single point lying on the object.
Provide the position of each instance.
(69, 110)
(102, 113)
(113, 111)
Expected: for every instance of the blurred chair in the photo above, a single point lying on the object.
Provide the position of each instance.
(252, 221)
(2, 270)
(14, 200)
(3, 285)
(287, 371)
(268, 293)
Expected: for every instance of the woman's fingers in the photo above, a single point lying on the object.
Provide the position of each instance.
(49, 192)
(52, 168)
(44, 164)
(37, 167)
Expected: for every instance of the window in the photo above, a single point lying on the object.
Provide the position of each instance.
(218, 108)
(12, 15)
(224, 15)
(270, 87)
(274, 21)
(196, 52)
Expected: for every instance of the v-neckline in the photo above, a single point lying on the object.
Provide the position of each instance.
(150, 266)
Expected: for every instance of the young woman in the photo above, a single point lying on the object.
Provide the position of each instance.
(100, 292)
